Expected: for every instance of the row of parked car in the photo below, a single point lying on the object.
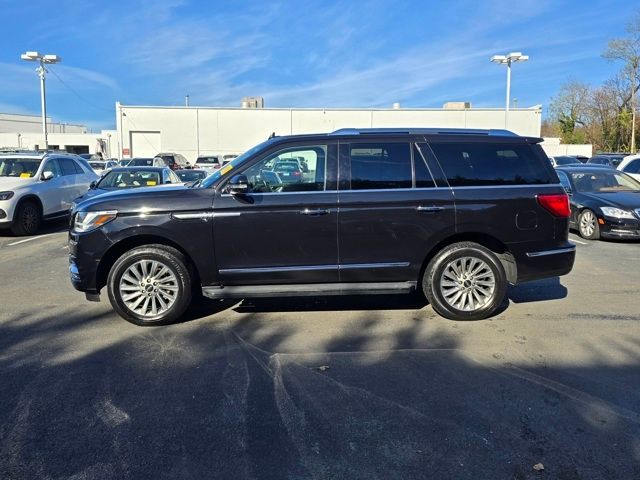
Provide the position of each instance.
(604, 193)
(37, 186)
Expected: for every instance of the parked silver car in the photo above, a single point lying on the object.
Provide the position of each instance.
(35, 186)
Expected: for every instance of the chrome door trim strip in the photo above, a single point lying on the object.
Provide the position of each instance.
(307, 268)
(557, 251)
(204, 215)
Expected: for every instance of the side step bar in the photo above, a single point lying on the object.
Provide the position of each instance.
(297, 290)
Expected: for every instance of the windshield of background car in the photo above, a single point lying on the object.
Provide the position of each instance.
(235, 163)
(202, 160)
(140, 162)
(19, 167)
(604, 182)
(115, 180)
(190, 175)
(565, 160)
(97, 165)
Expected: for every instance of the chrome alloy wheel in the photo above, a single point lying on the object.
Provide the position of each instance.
(587, 223)
(467, 284)
(148, 288)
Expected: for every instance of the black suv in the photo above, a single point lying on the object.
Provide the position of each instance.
(457, 214)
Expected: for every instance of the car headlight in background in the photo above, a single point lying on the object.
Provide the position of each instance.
(617, 212)
(6, 195)
(88, 221)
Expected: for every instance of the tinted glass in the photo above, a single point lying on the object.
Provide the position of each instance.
(278, 172)
(633, 167)
(67, 166)
(53, 167)
(478, 164)
(190, 175)
(78, 168)
(380, 166)
(564, 160)
(140, 162)
(423, 175)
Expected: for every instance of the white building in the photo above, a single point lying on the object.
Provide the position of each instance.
(144, 131)
(17, 122)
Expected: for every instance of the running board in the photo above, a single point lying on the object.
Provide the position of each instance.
(298, 290)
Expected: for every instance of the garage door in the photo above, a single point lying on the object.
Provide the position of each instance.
(145, 144)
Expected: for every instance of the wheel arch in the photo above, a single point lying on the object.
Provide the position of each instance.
(118, 249)
(488, 241)
(29, 197)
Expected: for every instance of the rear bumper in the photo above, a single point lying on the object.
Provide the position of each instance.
(538, 263)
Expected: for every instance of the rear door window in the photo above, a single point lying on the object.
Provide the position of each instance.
(68, 166)
(380, 165)
(482, 164)
(632, 167)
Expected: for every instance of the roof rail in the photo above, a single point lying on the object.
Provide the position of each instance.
(424, 131)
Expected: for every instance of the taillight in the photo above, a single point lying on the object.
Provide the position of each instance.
(297, 174)
(557, 204)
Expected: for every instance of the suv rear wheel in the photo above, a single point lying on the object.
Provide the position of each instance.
(150, 285)
(27, 219)
(465, 281)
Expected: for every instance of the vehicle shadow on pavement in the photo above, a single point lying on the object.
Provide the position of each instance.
(47, 227)
(537, 291)
(225, 399)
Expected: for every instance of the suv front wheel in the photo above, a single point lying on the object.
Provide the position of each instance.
(150, 285)
(465, 281)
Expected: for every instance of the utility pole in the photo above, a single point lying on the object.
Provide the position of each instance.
(186, 100)
(633, 106)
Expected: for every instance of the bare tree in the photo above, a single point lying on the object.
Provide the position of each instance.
(627, 50)
(570, 109)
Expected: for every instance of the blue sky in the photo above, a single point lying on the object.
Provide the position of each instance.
(304, 53)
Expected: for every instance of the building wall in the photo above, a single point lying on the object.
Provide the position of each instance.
(192, 131)
(553, 147)
(14, 122)
(28, 141)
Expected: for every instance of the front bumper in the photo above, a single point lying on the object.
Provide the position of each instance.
(84, 260)
(619, 228)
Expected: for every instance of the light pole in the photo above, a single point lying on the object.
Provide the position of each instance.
(508, 60)
(42, 71)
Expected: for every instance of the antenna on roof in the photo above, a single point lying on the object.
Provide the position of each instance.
(273, 134)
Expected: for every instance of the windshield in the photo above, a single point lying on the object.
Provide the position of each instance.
(190, 175)
(236, 162)
(202, 160)
(605, 182)
(19, 167)
(97, 165)
(565, 160)
(140, 162)
(140, 178)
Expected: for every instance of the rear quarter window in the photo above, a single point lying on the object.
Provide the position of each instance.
(481, 164)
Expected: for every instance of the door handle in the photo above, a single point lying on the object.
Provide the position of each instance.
(316, 212)
(429, 209)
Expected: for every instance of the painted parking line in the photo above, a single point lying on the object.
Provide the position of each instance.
(26, 240)
(578, 241)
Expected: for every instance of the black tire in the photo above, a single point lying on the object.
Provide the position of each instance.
(165, 256)
(437, 289)
(586, 219)
(27, 219)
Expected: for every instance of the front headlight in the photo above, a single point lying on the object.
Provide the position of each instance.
(88, 221)
(617, 212)
(6, 195)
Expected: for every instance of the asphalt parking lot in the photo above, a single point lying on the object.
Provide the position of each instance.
(321, 388)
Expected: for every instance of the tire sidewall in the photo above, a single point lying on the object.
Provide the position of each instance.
(171, 261)
(596, 230)
(433, 274)
(18, 225)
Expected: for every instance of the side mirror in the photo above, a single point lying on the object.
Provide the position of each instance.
(46, 176)
(93, 185)
(238, 185)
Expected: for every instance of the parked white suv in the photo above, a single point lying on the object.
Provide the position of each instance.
(631, 166)
(36, 186)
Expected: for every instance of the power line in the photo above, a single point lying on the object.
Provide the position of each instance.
(81, 97)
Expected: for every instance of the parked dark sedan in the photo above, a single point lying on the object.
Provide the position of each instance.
(609, 159)
(130, 177)
(604, 203)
